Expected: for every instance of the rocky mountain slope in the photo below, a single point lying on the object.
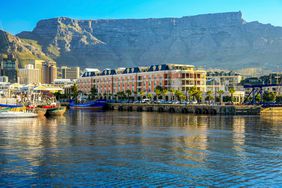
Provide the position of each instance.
(23, 49)
(222, 40)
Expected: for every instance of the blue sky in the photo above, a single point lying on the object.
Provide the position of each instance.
(19, 15)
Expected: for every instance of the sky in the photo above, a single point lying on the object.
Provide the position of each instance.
(22, 15)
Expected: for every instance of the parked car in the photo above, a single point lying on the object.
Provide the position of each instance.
(137, 101)
(193, 102)
(146, 100)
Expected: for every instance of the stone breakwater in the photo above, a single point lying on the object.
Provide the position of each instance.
(195, 109)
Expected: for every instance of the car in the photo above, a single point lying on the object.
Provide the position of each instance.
(175, 102)
(146, 100)
(137, 101)
(193, 102)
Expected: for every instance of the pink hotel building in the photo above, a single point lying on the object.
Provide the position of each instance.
(137, 79)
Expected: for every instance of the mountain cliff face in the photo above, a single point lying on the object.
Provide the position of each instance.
(221, 40)
(23, 49)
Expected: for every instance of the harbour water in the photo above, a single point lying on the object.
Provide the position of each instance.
(125, 149)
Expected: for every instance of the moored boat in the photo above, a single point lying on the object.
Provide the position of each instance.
(40, 111)
(94, 105)
(10, 105)
(56, 111)
(12, 114)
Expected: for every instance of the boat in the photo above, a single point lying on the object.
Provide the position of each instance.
(94, 105)
(55, 111)
(6, 113)
(37, 109)
(11, 105)
(40, 111)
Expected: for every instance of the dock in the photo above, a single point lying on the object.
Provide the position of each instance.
(193, 109)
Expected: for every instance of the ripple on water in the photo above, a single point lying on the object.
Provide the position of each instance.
(140, 149)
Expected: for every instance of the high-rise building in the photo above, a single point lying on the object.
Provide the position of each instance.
(29, 75)
(37, 63)
(49, 72)
(9, 68)
(69, 72)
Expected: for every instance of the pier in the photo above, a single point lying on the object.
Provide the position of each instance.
(195, 109)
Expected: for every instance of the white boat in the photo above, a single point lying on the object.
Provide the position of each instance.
(11, 114)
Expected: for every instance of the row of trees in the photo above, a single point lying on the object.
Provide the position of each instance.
(268, 97)
(193, 94)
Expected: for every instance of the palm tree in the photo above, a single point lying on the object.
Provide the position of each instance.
(198, 95)
(128, 93)
(209, 96)
(74, 91)
(158, 93)
(172, 91)
(164, 93)
(142, 94)
(179, 94)
(231, 91)
(121, 95)
(192, 93)
(150, 96)
(220, 92)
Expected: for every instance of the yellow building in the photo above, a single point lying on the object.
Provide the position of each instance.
(29, 75)
(37, 63)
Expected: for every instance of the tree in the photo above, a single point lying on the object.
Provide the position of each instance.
(150, 96)
(179, 94)
(58, 95)
(142, 94)
(192, 93)
(231, 91)
(220, 92)
(195, 93)
(74, 90)
(158, 93)
(269, 97)
(172, 91)
(121, 95)
(164, 93)
(128, 93)
(279, 99)
(209, 96)
(93, 92)
(199, 95)
(159, 88)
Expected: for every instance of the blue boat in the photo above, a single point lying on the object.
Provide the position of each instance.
(11, 105)
(95, 105)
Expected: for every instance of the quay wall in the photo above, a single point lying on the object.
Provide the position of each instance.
(195, 109)
(271, 111)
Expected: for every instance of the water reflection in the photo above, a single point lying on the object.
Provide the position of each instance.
(86, 148)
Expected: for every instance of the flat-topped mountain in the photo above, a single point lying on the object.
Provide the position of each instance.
(221, 40)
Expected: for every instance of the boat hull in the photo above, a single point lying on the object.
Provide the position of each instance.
(11, 105)
(18, 115)
(40, 111)
(58, 111)
(89, 106)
